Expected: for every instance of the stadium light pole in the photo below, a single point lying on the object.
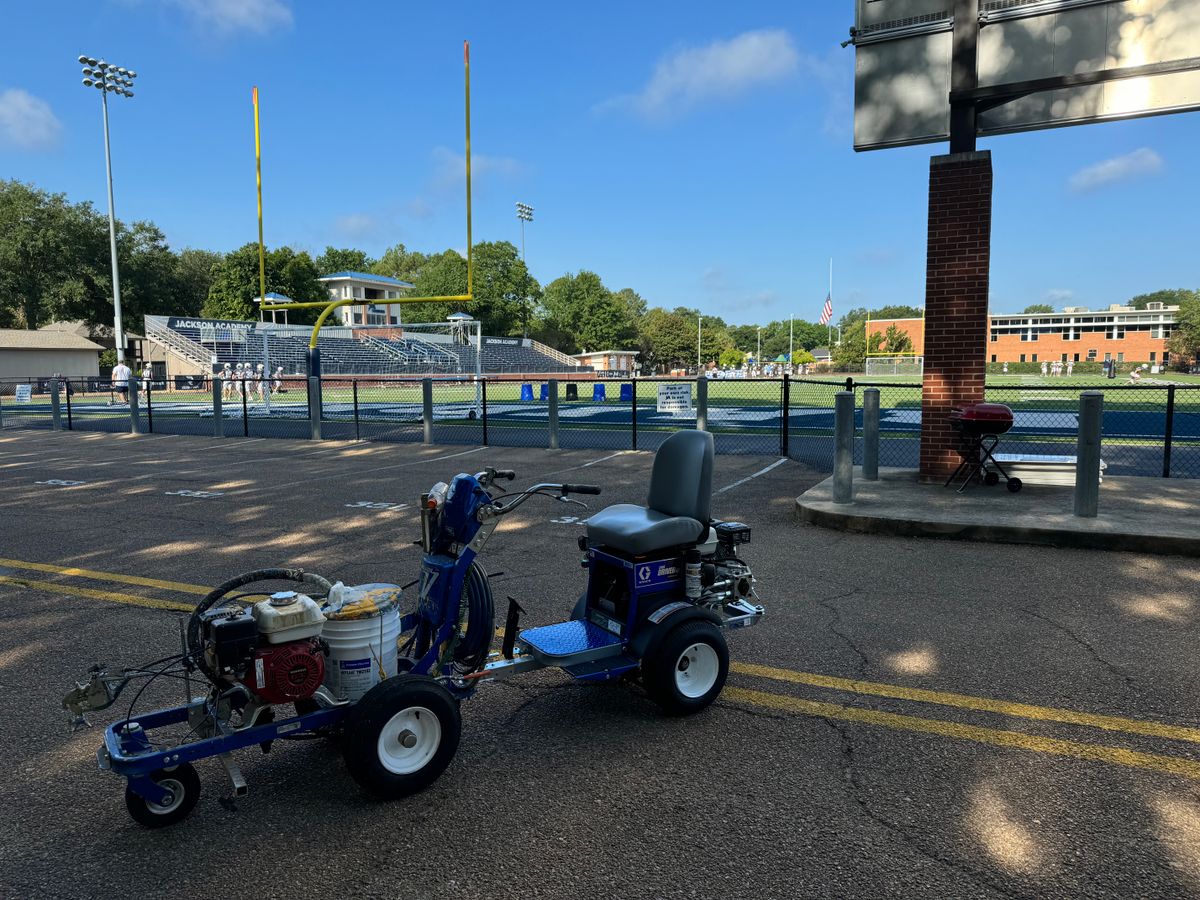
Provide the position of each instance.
(791, 333)
(699, 323)
(525, 214)
(758, 358)
(110, 79)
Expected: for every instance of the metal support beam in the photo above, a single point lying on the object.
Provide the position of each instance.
(427, 408)
(552, 412)
(702, 403)
(1087, 454)
(870, 466)
(314, 407)
(218, 387)
(964, 75)
(135, 418)
(55, 407)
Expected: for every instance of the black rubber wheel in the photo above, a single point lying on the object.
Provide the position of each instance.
(1014, 485)
(401, 736)
(991, 478)
(184, 784)
(688, 669)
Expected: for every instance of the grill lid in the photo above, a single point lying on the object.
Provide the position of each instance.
(982, 412)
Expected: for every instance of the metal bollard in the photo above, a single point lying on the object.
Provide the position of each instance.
(870, 466)
(843, 447)
(218, 386)
(552, 412)
(427, 408)
(314, 407)
(55, 407)
(1087, 454)
(702, 404)
(135, 418)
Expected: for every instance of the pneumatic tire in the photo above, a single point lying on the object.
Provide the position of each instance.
(688, 669)
(401, 736)
(184, 784)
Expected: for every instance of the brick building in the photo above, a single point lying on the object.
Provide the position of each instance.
(1120, 333)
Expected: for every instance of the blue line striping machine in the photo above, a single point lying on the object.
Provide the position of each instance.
(664, 583)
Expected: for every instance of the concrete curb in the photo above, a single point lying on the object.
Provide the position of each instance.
(816, 507)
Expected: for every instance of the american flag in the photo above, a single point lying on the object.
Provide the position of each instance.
(827, 311)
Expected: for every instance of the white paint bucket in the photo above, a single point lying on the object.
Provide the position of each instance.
(362, 635)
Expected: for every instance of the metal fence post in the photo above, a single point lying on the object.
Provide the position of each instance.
(552, 413)
(218, 411)
(55, 408)
(633, 412)
(149, 407)
(314, 407)
(354, 384)
(786, 400)
(245, 410)
(70, 427)
(1087, 454)
(702, 403)
(483, 408)
(427, 408)
(843, 447)
(1169, 431)
(135, 419)
(870, 466)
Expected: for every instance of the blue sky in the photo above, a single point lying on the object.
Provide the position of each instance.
(697, 152)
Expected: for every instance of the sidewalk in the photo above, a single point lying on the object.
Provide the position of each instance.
(1145, 515)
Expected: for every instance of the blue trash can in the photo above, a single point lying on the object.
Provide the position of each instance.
(627, 393)
(598, 392)
(527, 392)
(545, 392)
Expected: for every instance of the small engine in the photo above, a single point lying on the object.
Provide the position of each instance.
(724, 577)
(273, 648)
(284, 673)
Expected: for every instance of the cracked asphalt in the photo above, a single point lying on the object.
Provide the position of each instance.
(861, 776)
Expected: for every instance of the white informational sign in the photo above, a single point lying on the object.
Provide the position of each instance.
(24, 393)
(675, 398)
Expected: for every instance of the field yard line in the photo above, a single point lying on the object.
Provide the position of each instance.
(104, 576)
(980, 704)
(1015, 740)
(730, 487)
(107, 596)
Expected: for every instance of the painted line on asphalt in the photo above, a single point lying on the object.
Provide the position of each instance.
(593, 462)
(403, 465)
(996, 737)
(980, 704)
(90, 594)
(730, 487)
(95, 575)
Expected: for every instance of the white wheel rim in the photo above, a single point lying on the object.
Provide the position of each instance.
(417, 726)
(696, 670)
(176, 789)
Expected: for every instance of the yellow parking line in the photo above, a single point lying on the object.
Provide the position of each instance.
(89, 593)
(105, 576)
(996, 737)
(982, 704)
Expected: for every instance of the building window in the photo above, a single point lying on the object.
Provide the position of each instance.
(1076, 357)
(1035, 357)
(994, 338)
(1091, 356)
(1152, 355)
(358, 318)
(994, 355)
(1166, 358)
(1120, 357)
(1022, 357)
(1108, 357)
(1064, 357)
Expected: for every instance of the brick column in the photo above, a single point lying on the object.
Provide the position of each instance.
(956, 301)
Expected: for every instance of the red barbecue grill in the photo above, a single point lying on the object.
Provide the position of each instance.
(981, 425)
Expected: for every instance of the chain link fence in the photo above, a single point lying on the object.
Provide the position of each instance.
(1149, 429)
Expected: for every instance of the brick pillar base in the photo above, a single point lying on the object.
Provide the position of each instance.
(956, 301)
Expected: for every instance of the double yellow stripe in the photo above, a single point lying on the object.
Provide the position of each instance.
(92, 594)
(180, 586)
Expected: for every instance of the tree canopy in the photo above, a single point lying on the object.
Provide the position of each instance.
(1039, 308)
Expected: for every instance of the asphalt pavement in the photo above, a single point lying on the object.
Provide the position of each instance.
(913, 718)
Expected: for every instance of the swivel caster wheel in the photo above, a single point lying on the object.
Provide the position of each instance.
(184, 785)
(1014, 485)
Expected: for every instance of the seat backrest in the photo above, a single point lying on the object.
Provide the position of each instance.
(681, 480)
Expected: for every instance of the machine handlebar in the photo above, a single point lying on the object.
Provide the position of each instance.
(507, 474)
(581, 489)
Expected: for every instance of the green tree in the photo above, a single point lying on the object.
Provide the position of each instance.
(731, 358)
(1170, 297)
(803, 358)
(632, 301)
(343, 260)
(1185, 339)
(504, 291)
(895, 340)
(850, 354)
(235, 284)
(1039, 308)
(194, 272)
(663, 341)
(400, 262)
(580, 307)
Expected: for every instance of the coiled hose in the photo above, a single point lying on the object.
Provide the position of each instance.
(471, 647)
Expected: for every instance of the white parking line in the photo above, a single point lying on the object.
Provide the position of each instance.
(730, 487)
(592, 463)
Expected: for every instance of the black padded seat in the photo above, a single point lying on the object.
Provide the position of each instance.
(677, 510)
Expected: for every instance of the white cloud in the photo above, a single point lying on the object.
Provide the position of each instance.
(27, 122)
(1058, 295)
(450, 167)
(720, 70)
(233, 16)
(1138, 164)
(357, 225)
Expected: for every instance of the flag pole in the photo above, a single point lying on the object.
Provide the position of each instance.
(829, 324)
(262, 272)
